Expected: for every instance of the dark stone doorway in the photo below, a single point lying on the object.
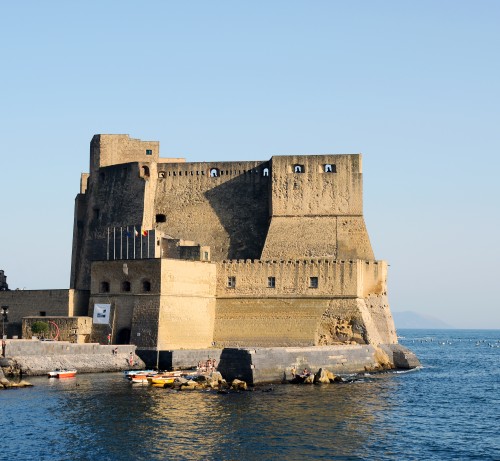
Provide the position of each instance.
(123, 336)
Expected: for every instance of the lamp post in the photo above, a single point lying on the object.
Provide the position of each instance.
(4, 311)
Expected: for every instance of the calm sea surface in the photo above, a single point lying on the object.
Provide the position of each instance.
(448, 410)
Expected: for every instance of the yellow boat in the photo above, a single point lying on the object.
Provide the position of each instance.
(161, 381)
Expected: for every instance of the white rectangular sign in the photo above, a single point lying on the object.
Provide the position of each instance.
(101, 313)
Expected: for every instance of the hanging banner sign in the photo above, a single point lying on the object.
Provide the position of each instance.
(101, 313)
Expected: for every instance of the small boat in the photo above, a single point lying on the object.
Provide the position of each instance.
(141, 376)
(62, 374)
(128, 373)
(161, 381)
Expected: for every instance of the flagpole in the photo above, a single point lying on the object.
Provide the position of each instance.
(141, 242)
(148, 245)
(121, 242)
(107, 247)
(134, 242)
(127, 241)
(114, 243)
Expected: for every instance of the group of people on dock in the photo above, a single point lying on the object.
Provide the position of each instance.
(305, 372)
(208, 366)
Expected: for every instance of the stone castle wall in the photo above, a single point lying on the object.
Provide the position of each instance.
(348, 304)
(242, 210)
(296, 217)
(178, 310)
(317, 213)
(27, 303)
(228, 212)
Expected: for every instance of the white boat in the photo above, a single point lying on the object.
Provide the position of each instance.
(62, 374)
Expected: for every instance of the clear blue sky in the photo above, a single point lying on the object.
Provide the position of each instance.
(414, 86)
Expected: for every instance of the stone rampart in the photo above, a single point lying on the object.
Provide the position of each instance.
(314, 191)
(303, 302)
(273, 365)
(35, 357)
(25, 303)
(228, 212)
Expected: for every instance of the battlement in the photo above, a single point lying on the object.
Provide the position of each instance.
(309, 277)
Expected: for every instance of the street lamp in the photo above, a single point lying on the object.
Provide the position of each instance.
(4, 311)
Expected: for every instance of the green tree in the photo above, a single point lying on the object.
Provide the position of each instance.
(40, 328)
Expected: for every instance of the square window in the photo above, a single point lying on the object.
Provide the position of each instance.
(149, 152)
(313, 282)
(271, 282)
(231, 282)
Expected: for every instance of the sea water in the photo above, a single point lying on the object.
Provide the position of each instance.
(447, 410)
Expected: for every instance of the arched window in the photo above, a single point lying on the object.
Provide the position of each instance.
(298, 168)
(146, 286)
(126, 286)
(145, 171)
(265, 172)
(104, 287)
(161, 174)
(330, 168)
(214, 172)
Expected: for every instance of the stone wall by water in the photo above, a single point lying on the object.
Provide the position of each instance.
(39, 357)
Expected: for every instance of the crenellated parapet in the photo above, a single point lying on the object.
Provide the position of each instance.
(308, 277)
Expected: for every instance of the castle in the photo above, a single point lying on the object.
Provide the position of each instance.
(170, 255)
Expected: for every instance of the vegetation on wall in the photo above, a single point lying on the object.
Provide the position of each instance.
(40, 328)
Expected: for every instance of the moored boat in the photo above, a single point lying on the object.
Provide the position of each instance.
(161, 381)
(129, 373)
(62, 374)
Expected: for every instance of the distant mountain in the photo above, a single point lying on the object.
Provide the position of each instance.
(410, 319)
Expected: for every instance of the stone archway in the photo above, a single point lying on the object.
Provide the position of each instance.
(123, 336)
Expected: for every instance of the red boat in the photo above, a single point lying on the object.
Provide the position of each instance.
(62, 374)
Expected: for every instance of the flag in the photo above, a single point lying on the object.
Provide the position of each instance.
(135, 232)
(144, 233)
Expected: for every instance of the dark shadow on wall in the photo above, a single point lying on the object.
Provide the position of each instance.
(123, 336)
(236, 364)
(242, 206)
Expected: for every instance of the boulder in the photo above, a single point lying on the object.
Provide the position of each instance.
(215, 380)
(322, 377)
(333, 378)
(239, 385)
(190, 386)
(309, 379)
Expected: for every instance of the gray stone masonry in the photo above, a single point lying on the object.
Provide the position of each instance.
(274, 364)
(38, 357)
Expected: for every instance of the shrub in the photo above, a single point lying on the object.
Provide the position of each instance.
(39, 328)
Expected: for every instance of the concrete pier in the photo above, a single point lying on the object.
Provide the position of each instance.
(273, 364)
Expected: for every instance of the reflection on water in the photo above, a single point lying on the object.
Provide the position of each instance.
(447, 410)
(103, 416)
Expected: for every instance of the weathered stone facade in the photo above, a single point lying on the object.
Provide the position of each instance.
(41, 303)
(291, 260)
(64, 328)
